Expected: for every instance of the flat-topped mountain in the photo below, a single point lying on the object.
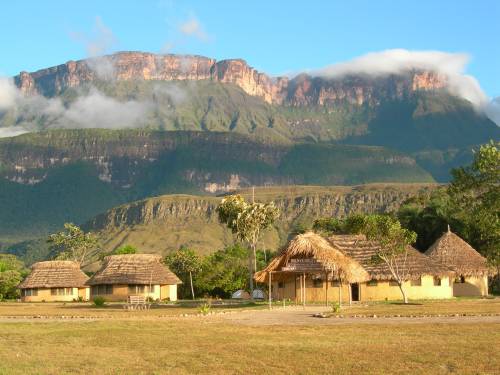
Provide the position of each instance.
(302, 90)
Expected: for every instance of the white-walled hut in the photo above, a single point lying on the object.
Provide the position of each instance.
(58, 280)
(127, 275)
(471, 269)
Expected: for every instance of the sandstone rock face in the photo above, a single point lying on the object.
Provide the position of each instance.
(164, 223)
(302, 90)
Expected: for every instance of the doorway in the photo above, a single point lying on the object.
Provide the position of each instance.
(355, 292)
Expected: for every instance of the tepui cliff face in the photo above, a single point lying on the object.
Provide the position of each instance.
(302, 90)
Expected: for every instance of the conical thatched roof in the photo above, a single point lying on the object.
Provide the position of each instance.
(141, 269)
(55, 274)
(452, 251)
(364, 251)
(312, 245)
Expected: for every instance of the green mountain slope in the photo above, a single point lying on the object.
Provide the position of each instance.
(164, 223)
(71, 175)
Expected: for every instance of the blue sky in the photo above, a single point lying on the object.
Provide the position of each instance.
(273, 36)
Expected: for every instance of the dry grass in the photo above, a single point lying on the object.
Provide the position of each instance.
(111, 310)
(212, 347)
(114, 310)
(429, 307)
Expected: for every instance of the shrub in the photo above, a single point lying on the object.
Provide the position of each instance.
(205, 308)
(99, 301)
(335, 307)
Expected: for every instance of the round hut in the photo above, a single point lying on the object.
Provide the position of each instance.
(310, 269)
(58, 280)
(122, 276)
(471, 269)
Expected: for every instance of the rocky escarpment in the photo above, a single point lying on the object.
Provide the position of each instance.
(206, 161)
(164, 223)
(302, 90)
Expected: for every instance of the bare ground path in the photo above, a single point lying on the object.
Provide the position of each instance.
(294, 316)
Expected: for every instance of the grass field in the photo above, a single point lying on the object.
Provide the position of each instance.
(149, 344)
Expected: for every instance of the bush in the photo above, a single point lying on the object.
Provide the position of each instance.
(335, 307)
(99, 301)
(205, 308)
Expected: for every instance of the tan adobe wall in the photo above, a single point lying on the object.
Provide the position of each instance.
(121, 293)
(44, 295)
(473, 286)
(292, 291)
(381, 292)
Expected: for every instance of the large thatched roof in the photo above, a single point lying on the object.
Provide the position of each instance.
(364, 251)
(452, 251)
(141, 269)
(55, 274)
(312, 245)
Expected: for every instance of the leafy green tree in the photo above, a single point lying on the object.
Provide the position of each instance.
(73, 244)
(126, 249)
(352, 224)
(247, 221)
(394, 241)
(475, 190)
(184, 263)
(12, 272)
(428, 214)
(224, 272)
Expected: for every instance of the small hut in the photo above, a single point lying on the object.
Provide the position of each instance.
(58, 280)
(310, 269)
(127, 275)
(471, 269)
(427, 278)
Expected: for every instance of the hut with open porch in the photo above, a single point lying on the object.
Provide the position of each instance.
(122, 276)
(471, 269)
(55, 281)
(311, 268)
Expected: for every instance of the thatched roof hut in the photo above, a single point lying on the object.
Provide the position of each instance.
(452, 251)
(55, 274)
(312, 245)
(364, 251)
(140, 269)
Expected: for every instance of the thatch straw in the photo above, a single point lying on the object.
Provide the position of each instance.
(312, 245)
(364, 251)
(457, 254)
(142, 269)
(55, 274)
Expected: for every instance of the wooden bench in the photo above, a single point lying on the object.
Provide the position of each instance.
(137, 303)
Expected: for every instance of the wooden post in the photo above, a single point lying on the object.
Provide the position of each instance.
(326, 290)
(340, 292)
(301, 292)
(270, 296)
(350, 294)
(304, 277)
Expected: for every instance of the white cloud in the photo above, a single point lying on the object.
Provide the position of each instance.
(396, 61)
(99, 42)
(99, 111)
(8, 93)
(12, 131)
(193, 27)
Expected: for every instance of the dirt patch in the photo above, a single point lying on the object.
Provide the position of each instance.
(306, 317)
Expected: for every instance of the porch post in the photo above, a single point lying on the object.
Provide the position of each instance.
(304, 289)
(326, 290)
(350, 294)
(270, 297)
(340, 292)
